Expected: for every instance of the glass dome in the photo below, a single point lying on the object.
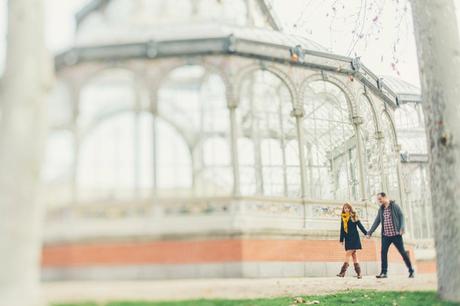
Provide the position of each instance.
(128, 20)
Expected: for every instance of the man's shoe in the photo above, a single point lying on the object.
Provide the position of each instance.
(411, 274)
(382, 275)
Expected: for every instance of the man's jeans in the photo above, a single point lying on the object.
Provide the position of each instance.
(398, 242)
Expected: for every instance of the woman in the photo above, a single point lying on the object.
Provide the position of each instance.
(349, 233)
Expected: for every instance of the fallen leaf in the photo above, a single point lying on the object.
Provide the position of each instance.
(299, 300)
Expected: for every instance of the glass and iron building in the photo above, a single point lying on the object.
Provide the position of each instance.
(194, 138)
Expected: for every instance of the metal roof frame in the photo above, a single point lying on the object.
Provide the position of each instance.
(232, 45)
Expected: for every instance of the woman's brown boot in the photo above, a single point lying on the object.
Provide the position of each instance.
(343, 270)
(358, 270)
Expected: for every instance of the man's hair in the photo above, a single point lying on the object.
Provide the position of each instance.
(382, 194)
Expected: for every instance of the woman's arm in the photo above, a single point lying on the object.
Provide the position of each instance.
(361, 227)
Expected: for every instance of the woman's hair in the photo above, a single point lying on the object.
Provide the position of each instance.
(353, 214)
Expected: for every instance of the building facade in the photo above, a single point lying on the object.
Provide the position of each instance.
(195, 139)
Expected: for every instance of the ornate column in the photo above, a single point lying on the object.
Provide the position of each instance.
(153, 96)
(137, 143)
(232, 105)
(298, 113)
(255, 136)
(283, 151)
(357, 123)
(154, 153)
(402, 197)
(156, 208)
(75, 98)
(384, 179)
(397, 149)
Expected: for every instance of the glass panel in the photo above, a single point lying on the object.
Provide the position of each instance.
(246, 154)
(390, 157)
(193, 101)
(116, 159)
(264, 121)
(108, 92)
(411, 129)
(330, 142)
(106, 165)
(371, 148)
(174, 161)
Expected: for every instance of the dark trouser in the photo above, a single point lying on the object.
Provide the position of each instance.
(398, 242)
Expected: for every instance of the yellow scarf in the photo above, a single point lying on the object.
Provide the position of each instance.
(345, 218)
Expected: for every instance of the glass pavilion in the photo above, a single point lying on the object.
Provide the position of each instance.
(202, 116)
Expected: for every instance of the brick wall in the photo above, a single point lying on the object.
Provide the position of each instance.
(206, 251)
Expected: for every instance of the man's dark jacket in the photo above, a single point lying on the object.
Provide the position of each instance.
(396, 214)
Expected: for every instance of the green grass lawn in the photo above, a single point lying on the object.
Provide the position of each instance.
(423, 298)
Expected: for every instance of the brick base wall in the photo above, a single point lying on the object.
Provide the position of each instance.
(208, 251)
(426, 266)
(237, 257)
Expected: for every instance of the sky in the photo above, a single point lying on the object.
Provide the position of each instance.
(381, 34)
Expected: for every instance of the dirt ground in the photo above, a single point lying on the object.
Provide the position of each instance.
(225, 288)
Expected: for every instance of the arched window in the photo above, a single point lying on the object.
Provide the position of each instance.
(269, 164)
(108, 92)
(372, 162)
(173, 161)
(106, 168)
(247, 162)
(390, 157)
(330, 141)
(193, 100)
(415, 199)
(410, 127)
(114, 140)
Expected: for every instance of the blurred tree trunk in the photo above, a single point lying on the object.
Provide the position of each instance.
(26, 81)
(438, 48)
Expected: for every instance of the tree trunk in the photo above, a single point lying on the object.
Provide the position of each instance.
(22, 137)
(438, 48)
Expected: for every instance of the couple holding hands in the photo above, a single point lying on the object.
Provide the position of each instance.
(392, 220)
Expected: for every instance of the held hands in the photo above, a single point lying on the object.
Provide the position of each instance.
(368, 236)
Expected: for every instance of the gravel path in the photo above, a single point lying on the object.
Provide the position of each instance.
(225, 288)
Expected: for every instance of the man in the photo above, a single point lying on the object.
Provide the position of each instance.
(392, 220)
